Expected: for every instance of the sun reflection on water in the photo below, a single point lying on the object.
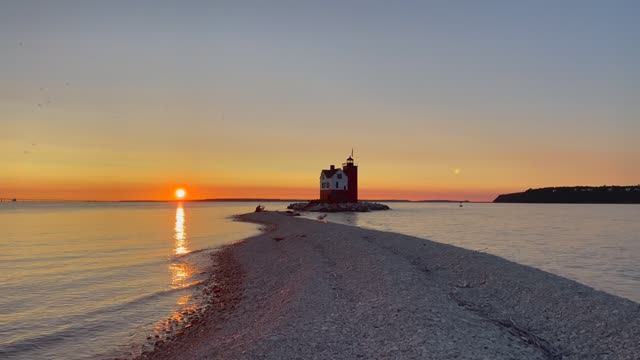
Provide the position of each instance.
(180, 234)
(180, 275)
(181, 271)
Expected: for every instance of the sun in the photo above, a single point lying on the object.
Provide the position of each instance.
(181, 193)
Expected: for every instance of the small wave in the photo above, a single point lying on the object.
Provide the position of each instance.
(144, 298)
(83, 323)
(182, 256)
(43, 341)
(140, 300)
(62, 278)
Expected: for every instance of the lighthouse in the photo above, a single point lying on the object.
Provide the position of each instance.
(340, 185)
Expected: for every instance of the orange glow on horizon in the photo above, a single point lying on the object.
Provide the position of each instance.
(140, 191)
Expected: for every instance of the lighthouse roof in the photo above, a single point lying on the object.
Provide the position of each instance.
(330, 173)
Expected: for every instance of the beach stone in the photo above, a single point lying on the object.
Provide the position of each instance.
(316, 206)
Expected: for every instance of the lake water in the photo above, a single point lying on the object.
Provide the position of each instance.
(94, 280)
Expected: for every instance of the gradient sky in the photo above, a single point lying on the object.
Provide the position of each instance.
(443, 99)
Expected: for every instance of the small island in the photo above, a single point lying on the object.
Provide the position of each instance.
(576, 195)
(339, 192)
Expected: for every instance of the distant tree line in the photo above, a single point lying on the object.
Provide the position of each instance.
(576, 195)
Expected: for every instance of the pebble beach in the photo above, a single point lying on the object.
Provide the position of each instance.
(314, 290)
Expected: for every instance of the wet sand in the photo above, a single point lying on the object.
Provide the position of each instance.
(311, 290)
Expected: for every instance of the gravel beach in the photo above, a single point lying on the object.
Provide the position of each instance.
(306, 289)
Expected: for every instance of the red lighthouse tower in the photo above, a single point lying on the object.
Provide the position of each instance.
(351, 170)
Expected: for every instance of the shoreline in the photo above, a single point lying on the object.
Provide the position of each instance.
(221, 293)
(308, 289)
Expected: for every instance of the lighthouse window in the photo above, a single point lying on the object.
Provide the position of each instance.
(337, 185)
(339, 176)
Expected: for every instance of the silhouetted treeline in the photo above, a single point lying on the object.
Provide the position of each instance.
(576, 195)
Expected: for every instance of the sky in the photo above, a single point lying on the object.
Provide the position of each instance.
(117, 100)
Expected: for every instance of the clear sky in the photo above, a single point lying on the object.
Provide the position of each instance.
(440, 99)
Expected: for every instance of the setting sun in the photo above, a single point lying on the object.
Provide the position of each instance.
(181, 193)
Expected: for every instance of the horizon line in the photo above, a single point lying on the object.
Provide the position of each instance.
(233, 200)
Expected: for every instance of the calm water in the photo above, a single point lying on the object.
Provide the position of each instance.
(92, 280)
(87, 280)
(597, 245)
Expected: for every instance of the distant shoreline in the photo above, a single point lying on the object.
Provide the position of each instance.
(242, 200)
(306, 289)
(575, 195)
(306, 200)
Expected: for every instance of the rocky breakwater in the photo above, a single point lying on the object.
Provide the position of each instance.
(317, 206)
